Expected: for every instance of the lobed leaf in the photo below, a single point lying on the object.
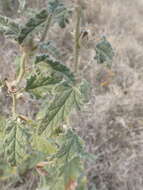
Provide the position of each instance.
(66, 98)
(50, 47)
(62, 17)
(15, 142)
(32, 23)
(36, 81)
(104, 51)
(9, 27)
(55, 65)
(72, 145)
(72, 171)
(42, 144)
(53, 5)
(61, 12)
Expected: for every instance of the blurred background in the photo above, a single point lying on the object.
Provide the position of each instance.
(112, 122)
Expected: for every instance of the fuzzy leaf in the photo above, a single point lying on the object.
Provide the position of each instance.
(104, 51)
(50, 47)
(53, 5)
(42, 144)
(72, 145)
(9, 27)
(55, 65)
(60, 11)
(32, 23)
(65, 100)
(15, 142)
(72, 171)
(62, 18)
(36, 81)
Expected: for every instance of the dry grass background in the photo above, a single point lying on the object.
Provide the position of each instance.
(112, 122)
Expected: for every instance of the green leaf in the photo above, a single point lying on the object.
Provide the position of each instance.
(42, 144)
(61, 12)
(15, 142)
(85, 89)
(104, 51)
(71, 146)
(9, 27)
(62, 17)
(32, 23)
(55, 65)
(53, 5)
(58, 111)
(36, 81)
(50, 47)
(30, 162)
(72, 170)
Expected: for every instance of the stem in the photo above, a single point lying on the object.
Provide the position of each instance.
(48, 23)
(18, 80)
(22, 68)
(13, 105)
(77, 36)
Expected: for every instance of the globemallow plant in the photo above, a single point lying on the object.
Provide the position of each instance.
(45, 144)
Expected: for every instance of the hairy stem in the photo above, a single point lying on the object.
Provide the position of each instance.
(13, 105)
(22, 68)
(77, 36)
(48, 23)
(17, 82)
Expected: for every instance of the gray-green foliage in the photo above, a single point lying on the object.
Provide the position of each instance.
(48, 137)
(9, 27)
(15, 142)
(66, 98)
(55, 65)
(32, 23)
(38, 80)
(50, 47)
(61, 12)
(21, 32)
(68, 165)
(104, 51)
